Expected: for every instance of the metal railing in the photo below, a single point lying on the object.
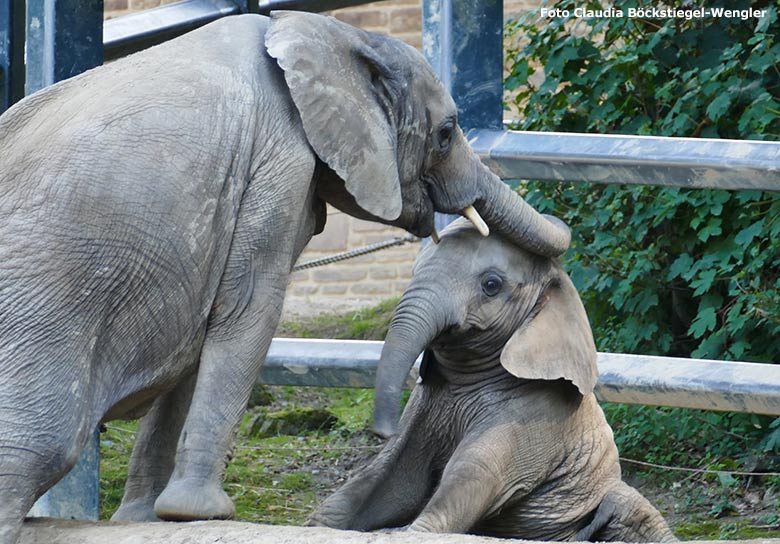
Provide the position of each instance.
(476, 57)
(632, 379)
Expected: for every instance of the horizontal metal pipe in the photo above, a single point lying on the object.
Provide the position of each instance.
(324, 363)
(266, 6)
(634, 160)
(130, 33)
(631, 379)
(136, 31)
(689, 383)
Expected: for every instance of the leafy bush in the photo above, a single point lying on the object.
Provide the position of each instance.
(662, 271)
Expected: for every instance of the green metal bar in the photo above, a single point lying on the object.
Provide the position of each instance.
(11, 53)
(64, 38)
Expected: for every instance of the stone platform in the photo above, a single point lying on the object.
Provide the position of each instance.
(51, 531)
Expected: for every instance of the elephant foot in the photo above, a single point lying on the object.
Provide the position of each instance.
(191, 499)
(136, 510)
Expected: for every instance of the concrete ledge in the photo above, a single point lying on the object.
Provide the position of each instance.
(57, 531)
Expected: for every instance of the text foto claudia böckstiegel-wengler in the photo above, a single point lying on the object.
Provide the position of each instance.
(654, 13)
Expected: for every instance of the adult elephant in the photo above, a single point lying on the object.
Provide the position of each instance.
(152, 210)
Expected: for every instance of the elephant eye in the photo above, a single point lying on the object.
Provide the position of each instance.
(491, 284)
(445, 136)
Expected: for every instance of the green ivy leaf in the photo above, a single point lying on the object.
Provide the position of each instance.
(719, 106)
(746, 236)
(705, 321)
(680, 266)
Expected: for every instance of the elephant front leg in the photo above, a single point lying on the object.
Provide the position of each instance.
(154, 451)
(393, 487)
(230, 363)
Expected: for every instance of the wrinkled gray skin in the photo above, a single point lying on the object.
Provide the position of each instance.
(503, 436)
(151, 210)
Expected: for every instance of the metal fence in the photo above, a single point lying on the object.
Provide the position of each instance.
(63, 38)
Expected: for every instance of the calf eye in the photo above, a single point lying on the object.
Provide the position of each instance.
(491, 284)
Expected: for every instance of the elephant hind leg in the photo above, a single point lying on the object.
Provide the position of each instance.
(152, 461)
(392, 489)
(624, 515)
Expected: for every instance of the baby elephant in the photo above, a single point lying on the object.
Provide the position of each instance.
(503, 436)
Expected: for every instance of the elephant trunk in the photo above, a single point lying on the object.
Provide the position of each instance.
(418, 320)
(508, 214)
(468, 182)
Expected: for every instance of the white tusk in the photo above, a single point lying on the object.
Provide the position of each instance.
(473, 215)
(435, 236)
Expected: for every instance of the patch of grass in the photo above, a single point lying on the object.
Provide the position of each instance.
(277, 479)
(116, 444)
(364, 324)
(353, 408)
(710, 500)
(292, 421)
(732, 529)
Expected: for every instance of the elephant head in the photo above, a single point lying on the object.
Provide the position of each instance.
(484, 306)
(386, 132)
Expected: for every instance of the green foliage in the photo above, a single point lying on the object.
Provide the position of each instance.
(692, 438)
(707, 496)
(662, 270)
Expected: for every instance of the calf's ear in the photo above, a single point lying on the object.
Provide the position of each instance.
(556, 342)
(340, 81)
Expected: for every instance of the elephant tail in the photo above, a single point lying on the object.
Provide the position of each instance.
(625, 515)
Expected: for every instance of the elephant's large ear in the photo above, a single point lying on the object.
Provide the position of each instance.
(555, 343)
(339, 83)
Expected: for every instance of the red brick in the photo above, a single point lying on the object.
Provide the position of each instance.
(371, 289)
(413, 39)
(338, 274)
(406, 20)
(326, 290)
(139, 5)
(114, 5)
(382, 274)
(363, 18)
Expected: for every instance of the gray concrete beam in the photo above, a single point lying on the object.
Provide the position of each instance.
(631, 379)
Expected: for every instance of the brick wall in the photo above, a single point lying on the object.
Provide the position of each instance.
(114, 8)
(368, 279)
(399, 18)
(358, 281)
